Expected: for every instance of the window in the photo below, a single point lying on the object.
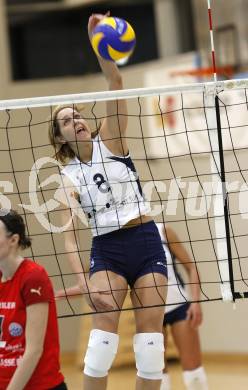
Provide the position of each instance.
(55, 43)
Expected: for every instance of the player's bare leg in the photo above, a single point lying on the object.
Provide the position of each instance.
(104, 339)
(187, 341)
(149, 322)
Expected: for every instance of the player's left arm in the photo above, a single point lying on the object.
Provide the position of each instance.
(179, 251)
(36, 325)
(115, 124)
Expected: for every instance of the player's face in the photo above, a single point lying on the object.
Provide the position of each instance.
(72, 126)
(7, 242)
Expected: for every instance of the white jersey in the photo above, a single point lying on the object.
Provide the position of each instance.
(176, 293)
(109, 189)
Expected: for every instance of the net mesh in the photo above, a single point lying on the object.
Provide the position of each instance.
(174, 143)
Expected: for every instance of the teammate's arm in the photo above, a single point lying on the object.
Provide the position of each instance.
(36, 325)
(72, 247)
(96, 299)
(179, 251)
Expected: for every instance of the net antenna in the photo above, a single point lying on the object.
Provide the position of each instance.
(221, 220)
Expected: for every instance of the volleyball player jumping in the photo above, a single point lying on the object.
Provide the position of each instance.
(126, 246)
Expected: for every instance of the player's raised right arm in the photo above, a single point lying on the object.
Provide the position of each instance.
(115, 123)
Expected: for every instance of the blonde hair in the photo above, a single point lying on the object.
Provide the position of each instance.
(62, 151)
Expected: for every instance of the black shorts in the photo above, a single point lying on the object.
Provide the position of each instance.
(131, 252)
(178, 314)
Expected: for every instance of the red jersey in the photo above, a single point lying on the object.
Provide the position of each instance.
(29, 285)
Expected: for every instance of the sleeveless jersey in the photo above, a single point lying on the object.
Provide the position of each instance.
(109, 189)
(176, 293)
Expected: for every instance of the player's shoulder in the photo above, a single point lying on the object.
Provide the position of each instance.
(71, 174)
(32, 265)
(70, 167)
(31, 269)
(35, 285)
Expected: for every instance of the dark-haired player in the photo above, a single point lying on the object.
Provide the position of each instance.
(29, 344)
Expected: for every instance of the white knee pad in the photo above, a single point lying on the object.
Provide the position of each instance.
(195, 379)
(102, 348)
(149, 355)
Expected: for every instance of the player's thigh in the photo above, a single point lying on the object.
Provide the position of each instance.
(148, 293)
(187, 341)
(117, 287)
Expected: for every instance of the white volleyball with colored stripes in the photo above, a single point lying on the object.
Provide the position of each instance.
(113, 39)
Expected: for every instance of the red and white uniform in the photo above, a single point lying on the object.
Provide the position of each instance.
(29, 285)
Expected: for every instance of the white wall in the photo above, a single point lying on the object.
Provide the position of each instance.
(167, 28)
(225, 327)
(225, 13)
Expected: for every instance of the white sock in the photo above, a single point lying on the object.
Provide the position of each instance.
(166, 382)
(195, 379)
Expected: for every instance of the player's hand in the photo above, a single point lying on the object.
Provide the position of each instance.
(94, 19)
(97, 299)
(73, 291)
(194, 315)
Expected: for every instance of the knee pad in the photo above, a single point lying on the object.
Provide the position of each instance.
(149, 355)
(102, 348)
(195, 379)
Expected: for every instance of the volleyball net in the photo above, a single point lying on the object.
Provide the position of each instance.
(189, 146)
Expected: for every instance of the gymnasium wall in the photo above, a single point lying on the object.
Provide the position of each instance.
(225, 328)
(230, 30)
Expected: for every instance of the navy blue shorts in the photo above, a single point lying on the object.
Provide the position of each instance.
(178, 314)
(131, 252)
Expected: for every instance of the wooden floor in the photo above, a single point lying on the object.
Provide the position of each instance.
(223, 374)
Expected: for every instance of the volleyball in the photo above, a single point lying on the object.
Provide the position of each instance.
(113, 39)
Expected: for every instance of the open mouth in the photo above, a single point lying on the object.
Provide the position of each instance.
(80, 130)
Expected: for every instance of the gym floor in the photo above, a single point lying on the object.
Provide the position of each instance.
(224, 373)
